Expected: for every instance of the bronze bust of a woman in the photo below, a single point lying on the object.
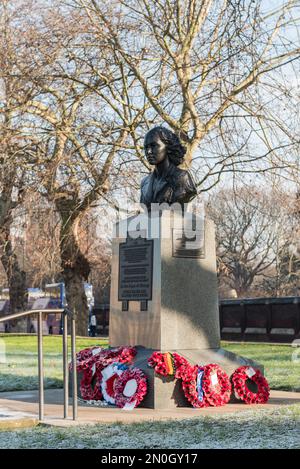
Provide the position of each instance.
(167, 183)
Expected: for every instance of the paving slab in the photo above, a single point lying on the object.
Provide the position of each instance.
(26, 403)
(12, 419)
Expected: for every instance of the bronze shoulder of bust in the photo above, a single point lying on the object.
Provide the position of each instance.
(167, 183)
(184, 186)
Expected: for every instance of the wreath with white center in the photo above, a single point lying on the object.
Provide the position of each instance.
(246, 377)
(110, 375)
(130, 389)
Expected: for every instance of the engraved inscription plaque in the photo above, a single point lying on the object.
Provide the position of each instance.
(135, 270)
(188, 243)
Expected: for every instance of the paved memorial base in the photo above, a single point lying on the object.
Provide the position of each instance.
(11, 419)
(27, 402)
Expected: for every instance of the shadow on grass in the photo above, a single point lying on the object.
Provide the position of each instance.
(14, 382)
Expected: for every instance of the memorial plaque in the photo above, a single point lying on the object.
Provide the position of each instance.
(135, 270)
(188, 243)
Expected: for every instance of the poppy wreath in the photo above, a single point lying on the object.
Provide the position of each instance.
(239, 380)
(168, 364)
(206, 385)
(85, 354)
(192, 386)
(90, 384)
(130, 388)
(105, 357)
(91, 362)
(110, 375)
(86, 363)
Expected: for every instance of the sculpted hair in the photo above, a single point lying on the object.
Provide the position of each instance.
(175, 149)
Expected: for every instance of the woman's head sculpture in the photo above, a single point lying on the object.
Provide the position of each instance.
(167, 183)
(174, 150)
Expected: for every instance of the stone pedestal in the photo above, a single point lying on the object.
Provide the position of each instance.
(182, 314)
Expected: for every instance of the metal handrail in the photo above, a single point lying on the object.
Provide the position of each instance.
(66, 313)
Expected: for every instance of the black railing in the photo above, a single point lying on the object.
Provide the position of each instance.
(260, 319)
(66, 314)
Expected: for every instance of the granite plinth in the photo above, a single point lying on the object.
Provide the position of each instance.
(183, 312)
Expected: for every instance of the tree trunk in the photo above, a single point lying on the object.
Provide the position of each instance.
(16, 277)
(75, 270)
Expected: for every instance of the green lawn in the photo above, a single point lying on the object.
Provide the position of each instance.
(19, 372)
(51, 344)
(281, 362)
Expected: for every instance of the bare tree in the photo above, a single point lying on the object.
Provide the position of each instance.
(284, 278)
(89, 77)
(214, 71)
(78, 148)
(37, 240)
(36, 237)
(15, 152)
(251, 230)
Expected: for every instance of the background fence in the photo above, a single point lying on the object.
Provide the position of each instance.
(260, 319)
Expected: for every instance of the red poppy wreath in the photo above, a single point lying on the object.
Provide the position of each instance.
(90, 385)
(91, 362)
(168, 364)
(206, 385)
(110, 376)
(85, 354)
(130, 389)
(91, 373)
(242, 379)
